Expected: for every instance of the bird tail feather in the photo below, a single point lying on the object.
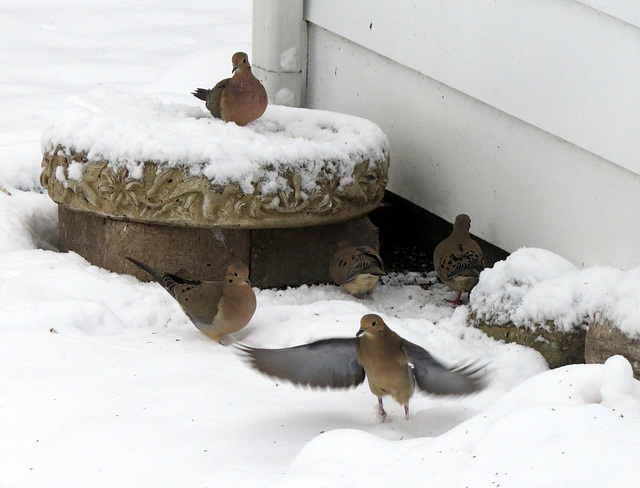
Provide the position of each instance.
(152, 272)
(201, 93)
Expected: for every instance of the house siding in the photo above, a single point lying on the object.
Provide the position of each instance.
(524, 114)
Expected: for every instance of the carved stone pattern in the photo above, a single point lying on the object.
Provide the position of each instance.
(171, 196)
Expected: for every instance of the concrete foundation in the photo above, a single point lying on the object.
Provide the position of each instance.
(276, 257)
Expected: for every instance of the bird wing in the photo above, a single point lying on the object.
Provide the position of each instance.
(469, 264)
(199, 300)
(325, 363)
(434, 377)
(214, 101)
(172, 281)
(368, 261)
(347, 263)
(466, 261)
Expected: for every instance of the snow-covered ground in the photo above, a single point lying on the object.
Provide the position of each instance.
(104, 381)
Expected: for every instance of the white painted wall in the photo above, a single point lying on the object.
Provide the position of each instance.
(556, 64)
(523, 113)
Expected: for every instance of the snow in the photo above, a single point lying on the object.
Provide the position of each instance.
(533, 286)
(284, 96)
(289, 59)
(128, 129)
(558, 437)
(105, 382)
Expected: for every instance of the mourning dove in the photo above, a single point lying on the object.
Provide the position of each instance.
(216, 308)
(458, 259)
(356, 268)
(240, 99)
(392, 365)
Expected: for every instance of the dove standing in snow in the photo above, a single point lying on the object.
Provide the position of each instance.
(216, 308)
(392, 365)
(240, 99)
(458, 259)
(356, 268)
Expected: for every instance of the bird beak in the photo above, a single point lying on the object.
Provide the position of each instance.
(234, 69)
(360, 332)
(247, 282)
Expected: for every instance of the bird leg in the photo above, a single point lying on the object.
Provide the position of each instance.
(381, 410)
(457, 301)
(406, 411)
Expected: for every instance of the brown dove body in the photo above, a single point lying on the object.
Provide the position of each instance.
(216, 308)
(385, 363)
(356, 268)
(458, 259)
(240, 99)
(392, 365)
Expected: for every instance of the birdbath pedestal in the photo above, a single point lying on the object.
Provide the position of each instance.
(169, 185)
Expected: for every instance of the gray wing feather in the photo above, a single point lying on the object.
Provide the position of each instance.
(370, 262)
(434, 377)
(475, 266)
(325, 363)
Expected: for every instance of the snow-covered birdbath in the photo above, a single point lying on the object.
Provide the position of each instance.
(136, 160)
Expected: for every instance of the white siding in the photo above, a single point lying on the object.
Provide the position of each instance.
(523, 113)
(556, 64)
(453, 154)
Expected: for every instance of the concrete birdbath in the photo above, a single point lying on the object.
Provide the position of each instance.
(172, 186)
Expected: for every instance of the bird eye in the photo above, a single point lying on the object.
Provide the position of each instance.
(235, 274)
(244, 60)
(373, 324)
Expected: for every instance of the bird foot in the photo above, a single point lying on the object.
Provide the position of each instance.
(457, 301)
(382, 412)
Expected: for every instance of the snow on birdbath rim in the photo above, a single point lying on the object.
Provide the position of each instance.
(136, 157)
